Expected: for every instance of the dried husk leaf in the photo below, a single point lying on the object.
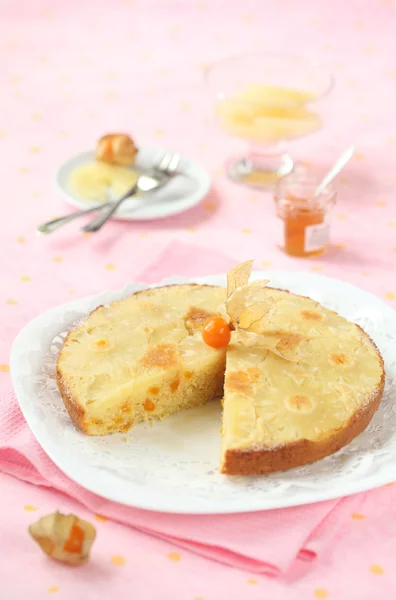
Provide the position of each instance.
(248, 307)
(251, 339)
(247, 295)
(256, 317)
(250, 311)
(53, 531)
(239, 276)
(287, 346)
(248, 339)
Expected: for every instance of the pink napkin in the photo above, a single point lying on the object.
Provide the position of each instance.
(271, 542)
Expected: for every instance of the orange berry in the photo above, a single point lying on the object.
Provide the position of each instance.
(75, 541)
(216, 332)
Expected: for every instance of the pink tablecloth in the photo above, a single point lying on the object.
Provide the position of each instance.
(73, 71)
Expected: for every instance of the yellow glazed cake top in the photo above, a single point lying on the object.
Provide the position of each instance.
(135, 341)
(302, 374)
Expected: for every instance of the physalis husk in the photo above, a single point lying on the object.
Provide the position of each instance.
(238, 276)
(247, 305)
(64, 537)
(250, 310)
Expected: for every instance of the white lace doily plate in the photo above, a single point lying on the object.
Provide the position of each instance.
(173, 466)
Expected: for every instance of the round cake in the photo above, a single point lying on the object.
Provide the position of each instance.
(299, 381)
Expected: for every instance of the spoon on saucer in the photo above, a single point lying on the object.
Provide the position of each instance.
(335, 170)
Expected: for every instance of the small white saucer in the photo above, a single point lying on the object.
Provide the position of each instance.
(180, 194)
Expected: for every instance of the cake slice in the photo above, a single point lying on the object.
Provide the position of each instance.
(302, 387)
(141, 358)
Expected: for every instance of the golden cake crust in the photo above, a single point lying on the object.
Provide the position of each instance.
(73, 407)
(72, 404)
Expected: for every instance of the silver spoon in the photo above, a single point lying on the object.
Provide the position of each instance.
(165, 169)
(335, 170)
(146, 182)
(51, 226)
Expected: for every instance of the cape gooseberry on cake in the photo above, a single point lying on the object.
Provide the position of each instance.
(300, 380)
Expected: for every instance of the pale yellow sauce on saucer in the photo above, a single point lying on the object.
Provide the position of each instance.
(101, 182)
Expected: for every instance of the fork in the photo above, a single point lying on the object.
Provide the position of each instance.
(166, 165)
(165, 169)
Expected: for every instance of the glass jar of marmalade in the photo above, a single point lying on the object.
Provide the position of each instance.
(303, 221)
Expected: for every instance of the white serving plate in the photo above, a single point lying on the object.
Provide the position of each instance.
(181, 193)
(173, 466)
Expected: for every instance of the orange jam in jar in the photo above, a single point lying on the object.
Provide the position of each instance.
(303, 221)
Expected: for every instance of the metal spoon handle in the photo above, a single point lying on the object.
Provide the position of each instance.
(339, 165)
(50, 226)
(105, 214)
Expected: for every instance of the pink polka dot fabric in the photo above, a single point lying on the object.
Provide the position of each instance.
(73, 71)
